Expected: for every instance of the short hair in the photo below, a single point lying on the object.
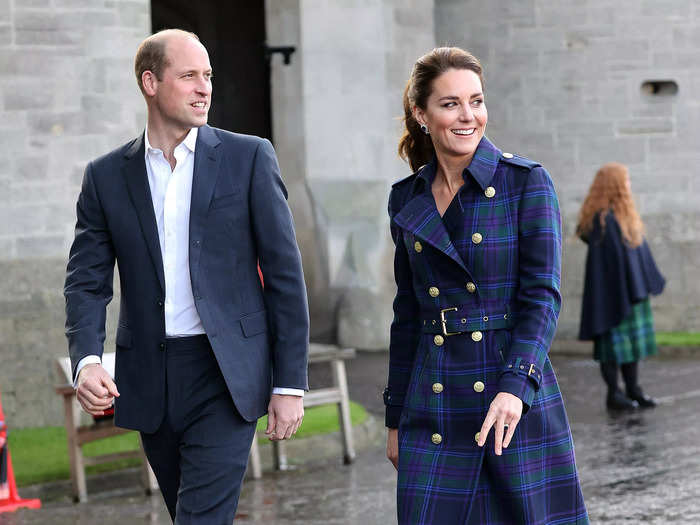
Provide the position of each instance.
(151, 54)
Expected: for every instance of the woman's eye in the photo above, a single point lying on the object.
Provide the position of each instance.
(478, 102)
(449, 105)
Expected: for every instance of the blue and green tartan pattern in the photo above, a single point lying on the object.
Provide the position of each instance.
(630, 341)
(516, 268)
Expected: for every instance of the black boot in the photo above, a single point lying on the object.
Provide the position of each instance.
(630, 375)
(616, 400)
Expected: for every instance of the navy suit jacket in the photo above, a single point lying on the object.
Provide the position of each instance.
(239, 216)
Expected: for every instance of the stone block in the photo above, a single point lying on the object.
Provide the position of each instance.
(56, 123)
(31, 167)
(645, 126)
(27, 99)
(5, 35)
(42, 246)
(5, 13)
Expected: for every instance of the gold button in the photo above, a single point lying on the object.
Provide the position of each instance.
(477, 238)
(478, 386)
(507, 155)
(436, 439)
(477, 436)
(438, 340)
(490, 192)
(471, 287)
(437, 387)
(477, 336)
(418, 247)
(433, 291)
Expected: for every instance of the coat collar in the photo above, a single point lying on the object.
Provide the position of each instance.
(482, 167)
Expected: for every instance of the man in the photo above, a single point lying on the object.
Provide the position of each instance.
(188, 212)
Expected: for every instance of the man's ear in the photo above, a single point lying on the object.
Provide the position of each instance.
(150, 83)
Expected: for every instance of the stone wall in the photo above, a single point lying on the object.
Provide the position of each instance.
(67, 95)
(563, 85)
(336, 116)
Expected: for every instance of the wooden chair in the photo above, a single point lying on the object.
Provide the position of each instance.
(79, 435)
(337, 393)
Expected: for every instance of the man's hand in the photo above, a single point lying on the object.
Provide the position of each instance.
(96, 390)
(392, 446)
(504, 415)
(284, 415)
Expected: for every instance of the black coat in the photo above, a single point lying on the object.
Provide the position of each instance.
(617, 276)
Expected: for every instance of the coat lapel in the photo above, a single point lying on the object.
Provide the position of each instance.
(207, 158)
(134, 170)
(420, 217)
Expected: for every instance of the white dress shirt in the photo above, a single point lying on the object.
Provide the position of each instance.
(171, 192)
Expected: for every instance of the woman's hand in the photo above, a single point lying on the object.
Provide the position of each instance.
(504, 413)
(392, 446)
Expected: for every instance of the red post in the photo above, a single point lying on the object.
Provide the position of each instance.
(8, 488)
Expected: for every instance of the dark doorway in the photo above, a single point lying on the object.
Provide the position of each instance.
(234, 35)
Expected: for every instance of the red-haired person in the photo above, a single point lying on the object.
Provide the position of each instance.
(620, 276)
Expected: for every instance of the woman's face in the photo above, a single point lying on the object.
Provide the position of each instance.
(455, 113)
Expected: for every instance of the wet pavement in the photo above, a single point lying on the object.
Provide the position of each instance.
(641, 467)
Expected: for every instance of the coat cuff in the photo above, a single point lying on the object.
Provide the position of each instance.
(520, 387)
(394, 407)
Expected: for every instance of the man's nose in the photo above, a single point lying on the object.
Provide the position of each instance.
(204, 86)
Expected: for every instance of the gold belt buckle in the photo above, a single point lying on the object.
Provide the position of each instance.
(444, 321)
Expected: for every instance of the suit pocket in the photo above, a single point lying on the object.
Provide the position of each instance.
(254, 324)
(123, 337)
(225, 200)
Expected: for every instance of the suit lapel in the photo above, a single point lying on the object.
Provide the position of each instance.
(420, 217)
(207, 158)
(134, 170)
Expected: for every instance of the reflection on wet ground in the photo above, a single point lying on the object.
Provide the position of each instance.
(641, 467)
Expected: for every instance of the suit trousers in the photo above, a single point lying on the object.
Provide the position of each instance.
(200, 451)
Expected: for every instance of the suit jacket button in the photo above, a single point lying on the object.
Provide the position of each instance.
(160, 303)
(161, 346)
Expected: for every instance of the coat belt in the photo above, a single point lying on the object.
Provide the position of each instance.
(462, 318)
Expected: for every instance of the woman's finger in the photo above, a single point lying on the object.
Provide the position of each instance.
(510, 432)
(498, 430)
(486, 427)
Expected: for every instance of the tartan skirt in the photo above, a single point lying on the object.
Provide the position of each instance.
(630, 341)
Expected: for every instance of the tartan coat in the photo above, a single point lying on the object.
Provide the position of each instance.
(475, 311)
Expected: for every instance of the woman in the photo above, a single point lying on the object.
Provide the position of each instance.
(620, 276)
(477, 427)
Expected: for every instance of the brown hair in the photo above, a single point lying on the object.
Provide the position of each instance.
(610, 192)
(151, 54)
(415, 147)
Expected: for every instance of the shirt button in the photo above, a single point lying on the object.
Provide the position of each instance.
(477, 336)
(471, 287)
(438, 340)
(436, 439)
(437, 388)
(433, 291)
(478, 386)
(477, 238)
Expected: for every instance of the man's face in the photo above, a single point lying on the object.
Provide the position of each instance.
(183, 96)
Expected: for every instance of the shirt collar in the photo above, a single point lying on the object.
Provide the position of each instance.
(481, 168)
(190, 141)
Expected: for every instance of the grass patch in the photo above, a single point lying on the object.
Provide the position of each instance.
(678, 338)
(41, 454)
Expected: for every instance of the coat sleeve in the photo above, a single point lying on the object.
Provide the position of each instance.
(89, 276)
(280, 262)
(538, 299)
(405, 328)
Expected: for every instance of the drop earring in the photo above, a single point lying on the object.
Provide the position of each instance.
(425, 129)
